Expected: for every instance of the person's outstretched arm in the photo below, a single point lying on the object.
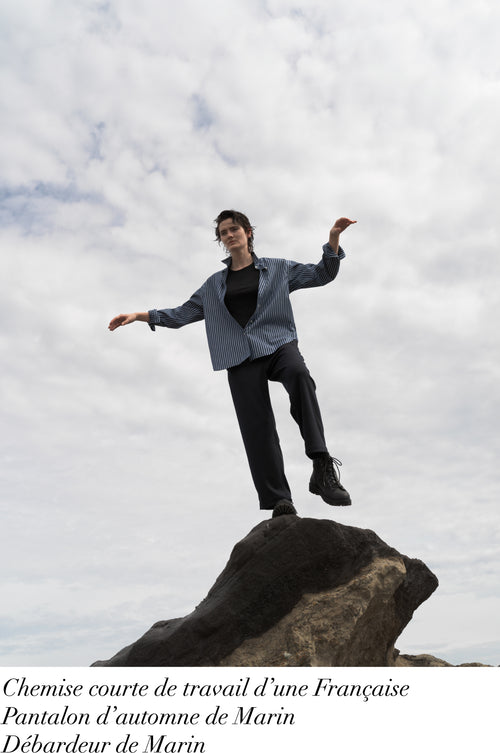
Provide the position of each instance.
(315, 275)
(340, 225)
(122, 319)
(187, 313)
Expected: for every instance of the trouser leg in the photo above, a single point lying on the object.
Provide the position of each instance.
(288, 367)
(250, 393)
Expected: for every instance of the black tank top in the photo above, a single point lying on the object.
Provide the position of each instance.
(241, 293)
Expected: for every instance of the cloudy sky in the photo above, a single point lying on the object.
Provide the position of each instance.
(125, 129)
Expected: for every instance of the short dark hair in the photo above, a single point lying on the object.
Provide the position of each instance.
(239, 219)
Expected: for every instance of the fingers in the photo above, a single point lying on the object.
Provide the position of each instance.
(342, 223)
(118, 321)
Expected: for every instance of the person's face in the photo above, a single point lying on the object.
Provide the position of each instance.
(233, 236)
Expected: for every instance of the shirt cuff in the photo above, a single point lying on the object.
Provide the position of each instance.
(328, 250)
(154, 318)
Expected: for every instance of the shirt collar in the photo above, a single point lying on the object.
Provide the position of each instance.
(258, 263)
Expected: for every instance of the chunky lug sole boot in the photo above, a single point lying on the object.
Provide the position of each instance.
(284, 507)
(325, 481)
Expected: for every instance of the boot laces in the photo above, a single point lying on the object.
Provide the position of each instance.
(332, 471)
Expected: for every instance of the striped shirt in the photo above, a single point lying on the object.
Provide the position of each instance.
(272, 323)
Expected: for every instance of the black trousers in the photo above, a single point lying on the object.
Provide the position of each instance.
(250, 391)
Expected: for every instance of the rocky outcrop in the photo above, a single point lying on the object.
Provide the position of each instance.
(421, 660)
(427, 660)
(295, 592)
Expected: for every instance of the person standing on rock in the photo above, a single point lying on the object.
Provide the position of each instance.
(251, 333)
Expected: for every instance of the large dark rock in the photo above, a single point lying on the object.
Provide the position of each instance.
(295, 592)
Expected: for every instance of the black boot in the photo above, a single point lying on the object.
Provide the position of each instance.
(325, 481)
(284, 507)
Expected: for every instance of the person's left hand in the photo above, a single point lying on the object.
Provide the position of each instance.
(341, 224)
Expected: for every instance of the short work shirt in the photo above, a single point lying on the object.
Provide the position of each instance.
(272, 323)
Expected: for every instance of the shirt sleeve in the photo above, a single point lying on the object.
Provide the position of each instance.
(315, 275)
(187, 313)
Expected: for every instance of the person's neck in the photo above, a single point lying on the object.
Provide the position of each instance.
(240, 259)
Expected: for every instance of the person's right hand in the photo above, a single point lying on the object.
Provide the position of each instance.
(121, 320)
